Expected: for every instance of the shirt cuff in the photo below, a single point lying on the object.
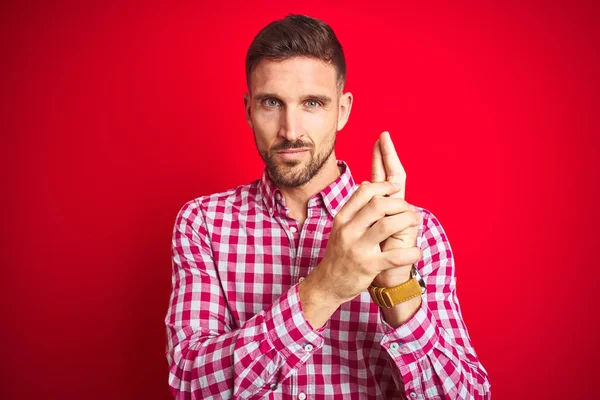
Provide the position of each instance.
(288, 330)
(412, 340)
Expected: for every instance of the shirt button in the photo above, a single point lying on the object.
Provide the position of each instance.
(273, 386)
(394, 346)
(413, 394)
(301, 279)
(302, 396)
(270, 210)
(277, 196)
(293, 229)
(308, 347)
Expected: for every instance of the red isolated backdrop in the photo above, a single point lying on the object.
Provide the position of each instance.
(114, 115)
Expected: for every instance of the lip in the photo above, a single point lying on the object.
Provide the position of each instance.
(292, 154)
(292, 151)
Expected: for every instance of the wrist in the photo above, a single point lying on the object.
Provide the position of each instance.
(318, 305)
(388, 297)
(401, 313)
(397, 275)
(393, 277)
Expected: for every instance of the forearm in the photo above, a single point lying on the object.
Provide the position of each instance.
(317, 304)
(246, 362)
(421, 344)
(223, 365)
(430, 352)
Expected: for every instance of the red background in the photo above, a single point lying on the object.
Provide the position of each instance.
(113, 116)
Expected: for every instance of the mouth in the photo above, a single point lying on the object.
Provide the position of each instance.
(291, 154)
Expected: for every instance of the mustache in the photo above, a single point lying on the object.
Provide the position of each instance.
(287, 145)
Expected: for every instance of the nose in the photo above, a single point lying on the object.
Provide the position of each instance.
(290, 124)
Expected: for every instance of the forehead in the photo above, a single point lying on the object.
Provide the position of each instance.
(293, 76)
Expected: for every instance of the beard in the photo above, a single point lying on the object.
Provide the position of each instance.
(290, 173)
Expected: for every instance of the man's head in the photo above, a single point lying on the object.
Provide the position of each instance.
(296, 73)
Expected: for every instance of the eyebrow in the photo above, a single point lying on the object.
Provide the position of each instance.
(322, 98)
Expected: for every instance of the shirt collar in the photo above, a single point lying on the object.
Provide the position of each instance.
(334, 196)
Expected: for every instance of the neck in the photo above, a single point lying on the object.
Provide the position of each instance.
(297, 198)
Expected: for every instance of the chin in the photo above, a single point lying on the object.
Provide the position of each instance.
(290, 174)
(291, 163)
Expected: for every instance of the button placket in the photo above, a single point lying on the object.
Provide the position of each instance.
(302, 270)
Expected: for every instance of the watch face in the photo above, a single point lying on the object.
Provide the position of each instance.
(415, 274)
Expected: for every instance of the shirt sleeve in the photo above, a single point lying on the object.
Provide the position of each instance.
(432, 351)
(209, 357)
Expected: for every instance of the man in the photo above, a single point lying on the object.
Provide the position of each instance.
(301, 284)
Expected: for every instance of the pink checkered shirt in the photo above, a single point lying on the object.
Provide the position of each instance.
(235, 326)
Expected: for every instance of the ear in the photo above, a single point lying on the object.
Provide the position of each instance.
(344, 111)
(248, 107)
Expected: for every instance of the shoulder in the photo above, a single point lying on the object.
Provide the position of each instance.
(234, 200)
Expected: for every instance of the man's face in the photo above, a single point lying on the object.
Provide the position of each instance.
(294, 110)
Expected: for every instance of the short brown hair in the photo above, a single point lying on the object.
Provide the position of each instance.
(293, 36)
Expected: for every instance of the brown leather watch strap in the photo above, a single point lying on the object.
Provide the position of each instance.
(389, 297)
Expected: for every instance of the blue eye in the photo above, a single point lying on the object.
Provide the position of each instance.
(312, 103)
(271, 102)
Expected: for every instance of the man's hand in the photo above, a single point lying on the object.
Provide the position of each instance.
(387, 167)
(353, 256)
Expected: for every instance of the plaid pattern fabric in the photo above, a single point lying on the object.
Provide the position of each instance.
(235, 326)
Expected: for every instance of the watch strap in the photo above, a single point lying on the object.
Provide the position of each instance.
(389, 297)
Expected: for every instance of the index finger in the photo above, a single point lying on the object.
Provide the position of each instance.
(363, 195)
(377, 168)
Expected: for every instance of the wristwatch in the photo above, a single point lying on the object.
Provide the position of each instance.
(389, 297)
